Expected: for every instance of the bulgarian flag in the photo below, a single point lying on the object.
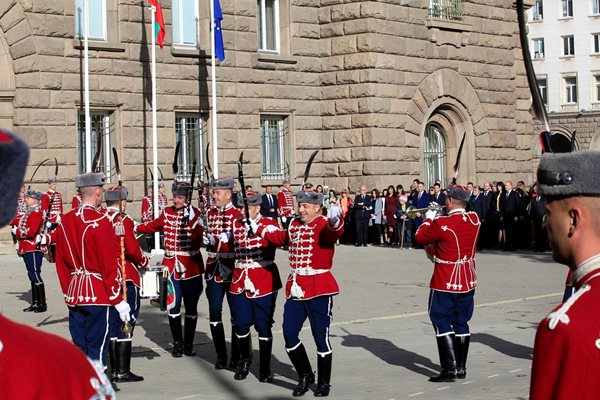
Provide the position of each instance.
(159, 24)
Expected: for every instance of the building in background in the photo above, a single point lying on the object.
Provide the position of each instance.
(385, 90)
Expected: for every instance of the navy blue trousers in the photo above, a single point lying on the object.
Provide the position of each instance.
(188, 290)
(33, 263)
(215, 292)
(90, 328)
(133, 299)
(450, 312)
(318, 311)
(259, 312)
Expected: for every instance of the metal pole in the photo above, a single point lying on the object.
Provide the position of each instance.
(86, 82)
(154, 131)
(213, 79)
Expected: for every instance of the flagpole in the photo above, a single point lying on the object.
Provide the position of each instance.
(214, 90)
(154, 130)
(86, 82)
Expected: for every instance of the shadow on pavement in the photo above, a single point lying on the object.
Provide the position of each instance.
(503, 346)
(47, 321)
(390, 353)
(23, 296)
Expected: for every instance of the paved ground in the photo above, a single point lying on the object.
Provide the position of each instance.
(384, 347)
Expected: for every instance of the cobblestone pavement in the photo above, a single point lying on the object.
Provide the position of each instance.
(384, 346)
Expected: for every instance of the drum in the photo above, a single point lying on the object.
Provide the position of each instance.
(150, 281)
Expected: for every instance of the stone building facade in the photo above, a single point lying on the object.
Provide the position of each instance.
(364, 82)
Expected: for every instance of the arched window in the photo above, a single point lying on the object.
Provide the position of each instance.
(434, 154)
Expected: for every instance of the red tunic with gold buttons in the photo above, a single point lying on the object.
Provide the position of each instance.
(311, 247)
(52, 200)
(29, 226)
(255, 272)
(566, 354)
(220, 224)
(183, 237)
(134, 257)
(452, 240)
(285, 203)
(87, 258)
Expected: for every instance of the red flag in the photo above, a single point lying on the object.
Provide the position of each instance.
(159, 27)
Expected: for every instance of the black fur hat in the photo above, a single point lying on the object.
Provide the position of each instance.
(14, 154)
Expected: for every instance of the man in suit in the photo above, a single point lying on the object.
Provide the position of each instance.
(487, 231)
(268, 207)
(420, 199)
(537, 211)
(438, 196)
(363, 205)
(510, 209)
(478, 205)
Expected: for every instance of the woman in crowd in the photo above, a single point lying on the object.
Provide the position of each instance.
(499, 227)
(377, 218)
(391, 205)
(346, 204)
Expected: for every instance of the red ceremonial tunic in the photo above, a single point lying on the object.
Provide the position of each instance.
(64, 371)
(28, 227)
(311, 247)
(566, 353)
(182, 241)
(147, 210)
(76, 201)
(54, 204)
(87, 258)
(255, 272)
(220, 221)
(453, 239)
(285, 203)
(134, 257)
(21, 207)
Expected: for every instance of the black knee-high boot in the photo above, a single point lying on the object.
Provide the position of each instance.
(188, 335)
(301, 363)
(235, 350)
(176, 332)
(124, 373)
(324, 375)
(218, 335)
(34, 300)
(447, 359)
(243, 367)
(461, 350)
(266, 348)
(41, 298)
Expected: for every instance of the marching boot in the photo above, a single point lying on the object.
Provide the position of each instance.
(41, 298)
(112, 383)
(175, 325)
(265, 347)
(324, 374)
(113, 360)
(34, 300)
(461, 350)
(447, 359)
(301, 363)
(218, 335)
(188, 336)
(235, 350)
(243, 366)
(124, 364)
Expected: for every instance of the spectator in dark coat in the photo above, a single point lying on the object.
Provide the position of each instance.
(510, 209)
(537, 212)
(268, 208)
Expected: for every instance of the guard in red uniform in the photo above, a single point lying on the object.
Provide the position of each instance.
(254, 289)
(220, 266)
(52, 205)
(87, 264)
(310, 288)
(450, 241)
(21, 207)
(566, 353)
(148, 210)
(76, 201)
(120, 344)
(183, 230)
(28, 227)
(285, 203)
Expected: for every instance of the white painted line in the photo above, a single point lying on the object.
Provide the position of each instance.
(467, 382)
(516, 370)
(443, 388)
(493, 376)
(415, 394)
(187, 397)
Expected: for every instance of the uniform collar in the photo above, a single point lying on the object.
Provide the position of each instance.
(456, 211)
(584, 269)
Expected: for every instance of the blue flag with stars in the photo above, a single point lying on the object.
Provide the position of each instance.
(219, 48)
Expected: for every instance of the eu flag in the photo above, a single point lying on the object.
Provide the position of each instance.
(219, 49)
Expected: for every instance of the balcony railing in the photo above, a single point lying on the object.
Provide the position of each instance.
(446, 9)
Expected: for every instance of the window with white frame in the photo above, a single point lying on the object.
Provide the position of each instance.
(538, 10)
(96, 19)
(596, 88)
(570, 89)
(189, 129)
(596, 43)
(567, 8)
(268, 25)
(274, 144)
(185, 22)
(102, 123)
(568, 45)
(446, 9)
(595, 7)
(542, 83)
(434, 154)
(538, 48)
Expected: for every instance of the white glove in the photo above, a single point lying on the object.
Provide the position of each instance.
(271, 228)
(123, 309)
(209, 238)
(431, 214)
(41, 239)
(48, 225)
(253, 225)
(283, 219)
(14, 230)
(224, 237)
(192, 214)
(334, 215)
